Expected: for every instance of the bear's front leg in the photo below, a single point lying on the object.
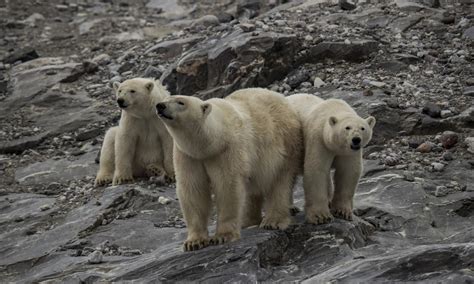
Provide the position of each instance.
(346, 178)
(316, 183)
(229, 195)
(194, 196)
(124, 153)
(107, 159)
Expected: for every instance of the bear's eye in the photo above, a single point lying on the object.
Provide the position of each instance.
(132, 91)
(181, 103)
(362, 128)
(348, 128)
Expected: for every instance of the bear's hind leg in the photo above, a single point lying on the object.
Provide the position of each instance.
(252, 212)
(107, 159)
(346, 178)
(277, 202)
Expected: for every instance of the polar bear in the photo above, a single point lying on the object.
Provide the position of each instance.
(245, 149)
(140, 145)
(333, 136)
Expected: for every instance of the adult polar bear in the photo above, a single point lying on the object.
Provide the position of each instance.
(246, 149)
(140, 145)
(333, 136)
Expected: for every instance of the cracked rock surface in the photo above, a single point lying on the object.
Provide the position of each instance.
(408, 63)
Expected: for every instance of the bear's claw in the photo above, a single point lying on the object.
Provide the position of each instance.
(275, 224)
(195, 244)
(343, 213)
(122, 179)
(319, 218)
(101, 181)
(294, 210)
(223, 238)
(153, 170)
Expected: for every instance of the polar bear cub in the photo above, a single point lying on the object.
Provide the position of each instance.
(245, 149)
(140, 145)
(334, 136)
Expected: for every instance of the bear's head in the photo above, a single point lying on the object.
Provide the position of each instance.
(134, 96)
(183, 111)
(348, 134)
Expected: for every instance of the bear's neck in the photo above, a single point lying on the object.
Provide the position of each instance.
(201, 140)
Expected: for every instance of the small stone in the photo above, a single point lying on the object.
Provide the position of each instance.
(96, 257)
(163, 200)
(318, 83)
(469, 33)
(45, 207)
(433, 110)
(153, 72)
(468, 91)
(448, 139)
(54, 186)
(247, 27)
(308, 38)
(367, 93)
(470, 144)
(437, 166)
(470, 81)
(377, 84)
(446, 113)
(346, 5)
(102, 59)
(391, 160)
(441, 190)
(61, 7)
(425, 147)
(408, 176)
(280, 23)
(448, 156)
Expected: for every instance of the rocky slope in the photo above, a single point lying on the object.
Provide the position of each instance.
(408, 64)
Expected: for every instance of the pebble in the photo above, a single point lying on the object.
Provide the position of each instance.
(308, 38)
(318, 83)
(437, 166)
(470, 144)
(425, 147)
(408, 176)
(433, 110)
(102, 59)
(391, 160)
(447, 156)
(96, 257)
(45, 207)
(448, 139)
(441, 190)
(163, 200)
(446, 113)
(247, 27)
(280, 23)
(468, 91)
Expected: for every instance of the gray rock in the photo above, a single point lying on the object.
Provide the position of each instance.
(402, 24)
(469, 91)
(173, 48)
(22, 54)
(318, 83)
(432, 110)
(96, 257)
(57, 170)
(354, 51)
(346, 5)
(469, 141)
(213, 67)
(297, 77)
(469, 33)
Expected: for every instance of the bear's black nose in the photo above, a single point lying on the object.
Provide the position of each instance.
(160, 107)
(356, 141)
(121, 102)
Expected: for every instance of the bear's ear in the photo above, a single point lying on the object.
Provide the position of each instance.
(332, 120)
(371, 121)
(206, 108)
(149, 86)
(115, 85)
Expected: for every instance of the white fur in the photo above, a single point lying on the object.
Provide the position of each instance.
(328, 129)
(245, 149)
(140, 145)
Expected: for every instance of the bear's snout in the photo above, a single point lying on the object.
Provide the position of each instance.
(121, 103)
(160, 107)
(356, 141)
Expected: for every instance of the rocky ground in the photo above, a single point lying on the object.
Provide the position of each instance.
(409, 64)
